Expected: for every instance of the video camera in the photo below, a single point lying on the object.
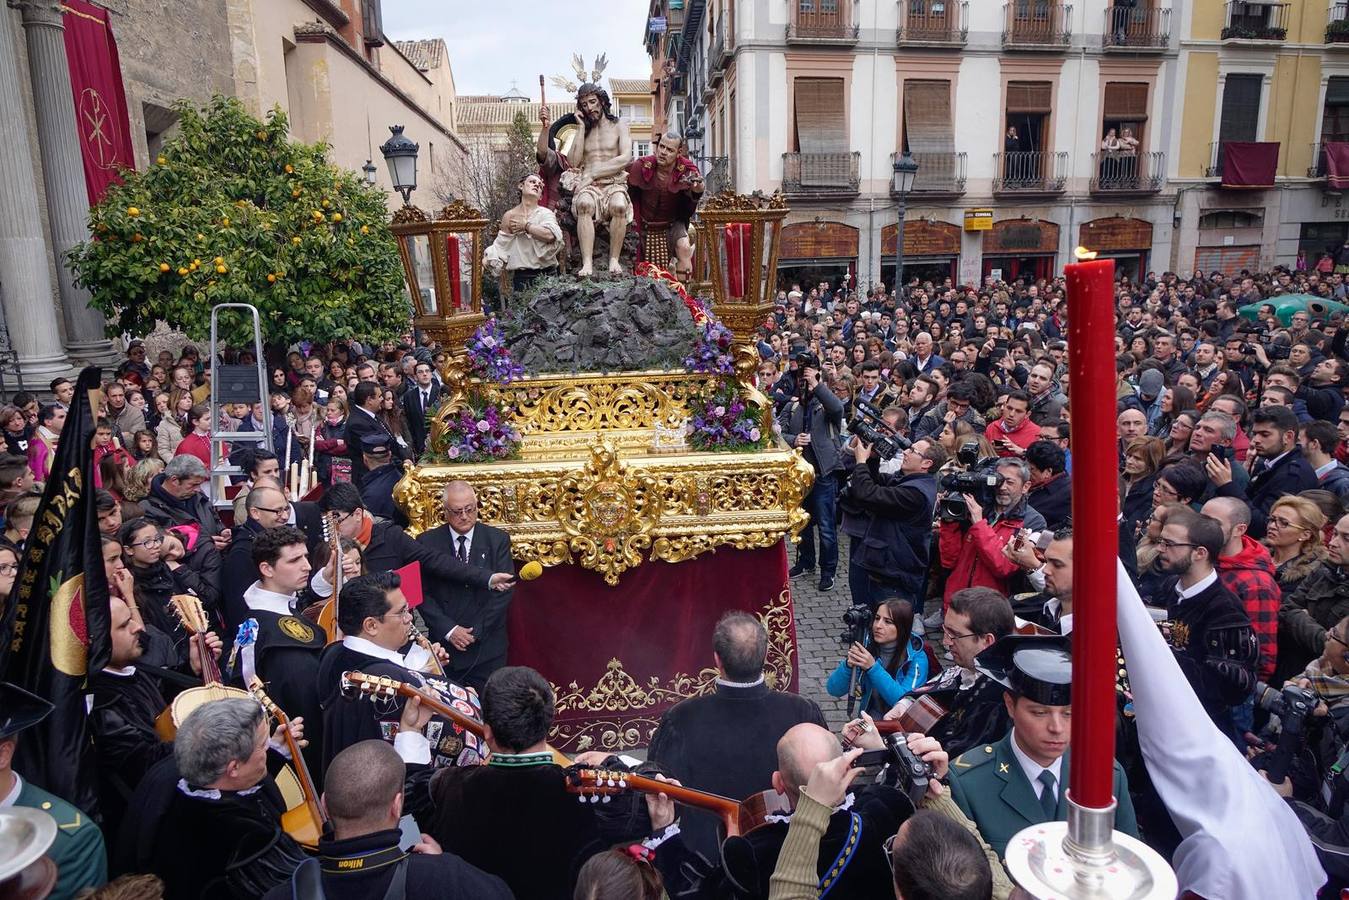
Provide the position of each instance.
(870, 428)
(903, 769)
(858, 621)
(1292, 705)
(981, 480)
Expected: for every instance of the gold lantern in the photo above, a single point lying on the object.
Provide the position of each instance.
(442, 263)
(738, 239)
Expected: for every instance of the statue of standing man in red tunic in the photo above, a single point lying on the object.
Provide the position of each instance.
(665, 188)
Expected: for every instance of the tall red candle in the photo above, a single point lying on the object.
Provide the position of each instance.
(1091, 365)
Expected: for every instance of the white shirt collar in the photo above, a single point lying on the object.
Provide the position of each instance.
(1270, 463)
(120, 673)
(1033, 768)
(13, 796)
(1323, 471)
(725, 682)
(467, 536)
(256, 597)
(364, 410)
(1200, 587)
(370, 648)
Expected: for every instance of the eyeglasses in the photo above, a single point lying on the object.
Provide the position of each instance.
(458, 512)
(276, 512)
(1285, 523)
(9, 568)
(952, 636)
(404, 613)
(148, 542)
(1165, 489)
(1167, 544)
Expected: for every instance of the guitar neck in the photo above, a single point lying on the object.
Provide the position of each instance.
(725, 808)
(210, 669)
(307, 786)
(436, 705)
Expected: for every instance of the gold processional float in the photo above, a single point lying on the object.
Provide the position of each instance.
(603, 478)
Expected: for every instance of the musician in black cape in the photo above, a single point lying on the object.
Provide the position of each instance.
(208, 819)
(374, 617)
(852, 859)
(975, 712)
(519, 792)
(128, 698)
(366, 856)
(274, 642)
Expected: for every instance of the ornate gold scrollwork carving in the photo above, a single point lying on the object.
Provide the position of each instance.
(616, 693)
(608, 513)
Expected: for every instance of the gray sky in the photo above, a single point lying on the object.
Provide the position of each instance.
(493, 42)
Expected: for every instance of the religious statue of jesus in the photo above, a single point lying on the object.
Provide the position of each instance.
(598, 176)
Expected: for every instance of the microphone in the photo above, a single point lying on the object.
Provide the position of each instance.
(530, 570)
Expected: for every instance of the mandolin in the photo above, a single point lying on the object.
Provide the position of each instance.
(327, 617)
(381, 686)
(189, 611)
(736, 817)
(306, 822)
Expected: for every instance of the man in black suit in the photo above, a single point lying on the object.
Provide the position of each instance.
(420, 397)
(470, 622)
(362, 422)
(388, 547)
(727, 742)
(265, 507)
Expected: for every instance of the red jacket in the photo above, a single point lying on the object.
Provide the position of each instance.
(974, 556)
(1026, 434)
(198, 445)
(1249, 575)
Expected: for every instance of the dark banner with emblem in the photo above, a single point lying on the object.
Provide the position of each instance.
(100, 102)
(55, 620)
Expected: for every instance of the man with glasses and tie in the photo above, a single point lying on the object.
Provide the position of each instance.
(469, 620)
(1208, 628)
(1021, 780)
(974, 709)
(374, 616)
(418, 399)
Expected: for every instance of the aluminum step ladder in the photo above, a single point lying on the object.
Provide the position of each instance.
(235, 384)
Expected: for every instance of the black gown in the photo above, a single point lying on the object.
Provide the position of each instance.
(976, 715)
(122, 722)
(350, 719)
(286, 657)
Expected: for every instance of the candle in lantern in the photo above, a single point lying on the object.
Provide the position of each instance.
(1091, 364)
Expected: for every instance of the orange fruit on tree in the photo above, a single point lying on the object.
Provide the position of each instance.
(163, 267)
(132, 211)
(271, 279)
(183, 270)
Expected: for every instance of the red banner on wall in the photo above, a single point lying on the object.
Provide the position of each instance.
(100, 102)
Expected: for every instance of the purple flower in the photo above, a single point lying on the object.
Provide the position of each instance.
(754, 434)
(483, 425)
(453, 452)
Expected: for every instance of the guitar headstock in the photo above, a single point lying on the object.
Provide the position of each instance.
(596, 784)
(355, 684)
(259, 692)
(188, 609)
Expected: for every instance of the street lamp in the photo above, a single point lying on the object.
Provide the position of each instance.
(369, 170)
(401, 155)
(906, 172)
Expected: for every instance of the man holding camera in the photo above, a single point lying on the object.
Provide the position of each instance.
(891, 557)
(971, 547)
(811, 422)
(1014, 432)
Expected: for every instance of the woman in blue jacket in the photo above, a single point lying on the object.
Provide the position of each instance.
(892, 663)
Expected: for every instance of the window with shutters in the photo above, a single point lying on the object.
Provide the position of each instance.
(821, 116)
(1240, 118)
(929, 133)
(1335, 116)
(1125, 112)
(1029, 104)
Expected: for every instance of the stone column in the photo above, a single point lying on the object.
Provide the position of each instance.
(25, 281)
(63, 170)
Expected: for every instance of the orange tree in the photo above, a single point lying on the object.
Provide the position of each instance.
(231, 211)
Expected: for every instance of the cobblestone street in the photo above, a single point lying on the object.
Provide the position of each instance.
(819, 624)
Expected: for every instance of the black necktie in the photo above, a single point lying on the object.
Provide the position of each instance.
(426, 399)
(1049, 801)
(463, 548)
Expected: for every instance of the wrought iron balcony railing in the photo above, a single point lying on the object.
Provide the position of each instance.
(938, 173)
(1036, 25)
(1127, 173)
(805, 173)
(940, 22)
(1256, 21)
(1136, 28)
(1030, 172)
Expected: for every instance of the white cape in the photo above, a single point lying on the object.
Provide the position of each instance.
(1241, 841)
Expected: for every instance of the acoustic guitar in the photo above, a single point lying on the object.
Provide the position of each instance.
(327, 617)
(304, 823)
(356, 683)
(737, 817)
(190, 612)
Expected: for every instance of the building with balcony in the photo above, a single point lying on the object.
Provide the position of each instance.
(1059, 117)
(1262, 134)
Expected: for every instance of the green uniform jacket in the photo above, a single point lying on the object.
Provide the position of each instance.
(990, 787)
(81, 860)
